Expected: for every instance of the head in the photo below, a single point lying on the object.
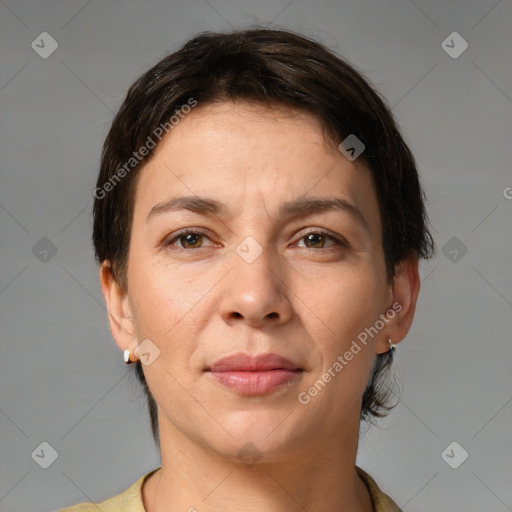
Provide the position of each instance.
(255, 119)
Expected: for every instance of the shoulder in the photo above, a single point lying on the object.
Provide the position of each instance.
(381, 501)
(109, 505)
(128, 501)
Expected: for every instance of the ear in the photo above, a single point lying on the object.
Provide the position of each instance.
(119, 310)
(405, 290)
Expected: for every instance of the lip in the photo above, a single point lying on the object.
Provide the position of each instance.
(246, 374)
(248, 362)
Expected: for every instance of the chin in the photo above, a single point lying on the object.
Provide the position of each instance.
(270, 432)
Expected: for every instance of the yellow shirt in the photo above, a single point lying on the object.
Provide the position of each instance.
(131, 499)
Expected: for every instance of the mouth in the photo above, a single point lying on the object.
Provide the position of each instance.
(246, 374)
(259, 382)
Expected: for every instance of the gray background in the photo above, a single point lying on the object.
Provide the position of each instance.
(62, 377)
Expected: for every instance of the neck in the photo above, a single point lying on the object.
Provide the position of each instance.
(318, 475)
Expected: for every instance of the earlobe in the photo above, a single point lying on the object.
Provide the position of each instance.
(405, 290)
(118, 307)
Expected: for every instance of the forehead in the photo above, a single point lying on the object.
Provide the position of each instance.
(241, 153)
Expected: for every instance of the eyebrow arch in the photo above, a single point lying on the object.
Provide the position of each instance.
(298, 207)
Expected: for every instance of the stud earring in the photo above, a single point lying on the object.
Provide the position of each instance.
(392, 346)
(126, 357)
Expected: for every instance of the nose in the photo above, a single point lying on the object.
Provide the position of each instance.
(255, 293)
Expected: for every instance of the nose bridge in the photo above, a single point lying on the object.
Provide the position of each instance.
(255, 261)
(255, 290)
(256, 266)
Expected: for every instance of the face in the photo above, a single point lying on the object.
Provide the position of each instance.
(255, 266)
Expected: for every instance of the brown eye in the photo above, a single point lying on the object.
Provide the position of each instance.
(188, 239)
(317, 239)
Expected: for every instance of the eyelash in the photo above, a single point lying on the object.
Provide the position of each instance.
(169, 242)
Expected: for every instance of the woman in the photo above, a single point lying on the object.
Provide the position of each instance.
(258, 219)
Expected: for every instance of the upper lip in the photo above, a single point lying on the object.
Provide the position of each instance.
(248, 362)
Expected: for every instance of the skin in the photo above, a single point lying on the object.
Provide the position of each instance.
(304, 299)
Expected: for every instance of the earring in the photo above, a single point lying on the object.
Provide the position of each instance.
(392, 347)
(126, 357)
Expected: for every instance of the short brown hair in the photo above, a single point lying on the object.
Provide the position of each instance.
(268, 67)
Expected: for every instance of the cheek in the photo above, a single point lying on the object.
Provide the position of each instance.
(348, 303)
(171, 309)
(163, 293)
(346, 307)
(155, 305)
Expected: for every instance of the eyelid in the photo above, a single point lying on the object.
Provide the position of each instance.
(185, 231)
(337, 239)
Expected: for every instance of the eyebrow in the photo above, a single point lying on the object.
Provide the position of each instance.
(298, 207)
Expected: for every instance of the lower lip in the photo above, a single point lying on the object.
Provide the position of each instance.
(255, 382)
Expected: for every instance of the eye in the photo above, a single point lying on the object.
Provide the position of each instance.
(315, 238)
(189, 239)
